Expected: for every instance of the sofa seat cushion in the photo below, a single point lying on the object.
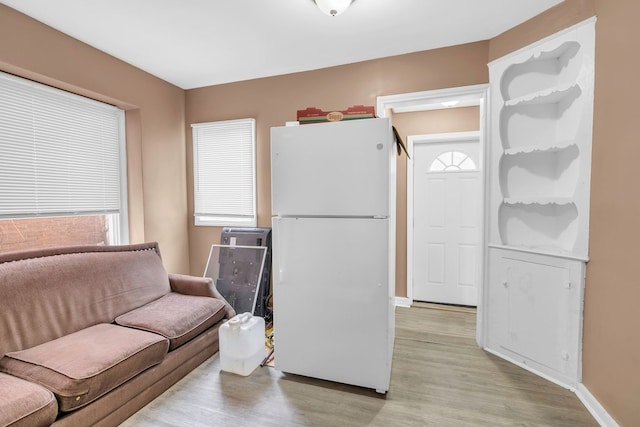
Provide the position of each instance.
(177, 317)
(23, 403)
(82, 366)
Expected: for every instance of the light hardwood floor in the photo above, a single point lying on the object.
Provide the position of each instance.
(439, 378)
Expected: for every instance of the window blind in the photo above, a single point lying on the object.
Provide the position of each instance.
(224, 172)
(60, 154)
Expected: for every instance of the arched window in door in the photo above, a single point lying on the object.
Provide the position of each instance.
(452, 161)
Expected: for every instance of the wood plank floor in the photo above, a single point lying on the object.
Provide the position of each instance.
(439, 378)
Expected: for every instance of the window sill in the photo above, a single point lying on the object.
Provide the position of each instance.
(201, 221)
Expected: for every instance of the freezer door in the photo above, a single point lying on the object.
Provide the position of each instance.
(331, 300)
(332, 169)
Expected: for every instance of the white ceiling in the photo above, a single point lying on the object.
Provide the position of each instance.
(195, 43)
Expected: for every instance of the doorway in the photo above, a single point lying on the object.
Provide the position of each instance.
(465, 96)
(444, 187)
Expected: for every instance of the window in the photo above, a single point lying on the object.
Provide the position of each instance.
(224, 189)
(452, 161)
(62, 156)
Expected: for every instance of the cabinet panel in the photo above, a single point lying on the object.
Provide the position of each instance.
(535, 297)
(537, 311)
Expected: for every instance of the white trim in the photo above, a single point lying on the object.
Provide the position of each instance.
(485, 126)
(418, 100)
(445, 137)
(410, 143)
(402, 302)
(594, 407)
(123, 217)
(210, 221)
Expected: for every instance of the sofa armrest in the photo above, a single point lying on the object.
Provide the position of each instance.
(198, 286)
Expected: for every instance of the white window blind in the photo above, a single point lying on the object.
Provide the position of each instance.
(60, 154)
(224, 172)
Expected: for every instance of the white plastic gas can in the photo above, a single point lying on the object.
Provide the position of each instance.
(242, 344)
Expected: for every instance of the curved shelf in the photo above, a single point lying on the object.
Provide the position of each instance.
(550, 115)
(550, 95)
(552, 226)
(540, 147)
(538, 201)
(542, 70)
(555, 252)
(552, 173)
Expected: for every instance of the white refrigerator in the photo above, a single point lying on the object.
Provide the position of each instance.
(333, 203)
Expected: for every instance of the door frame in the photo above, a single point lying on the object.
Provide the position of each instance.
(437, 99)
(412, 140)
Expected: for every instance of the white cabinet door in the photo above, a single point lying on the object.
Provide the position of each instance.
(331, 299)
(536, 312)
(332, 169)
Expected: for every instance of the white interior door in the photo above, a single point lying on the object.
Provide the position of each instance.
(447, 222)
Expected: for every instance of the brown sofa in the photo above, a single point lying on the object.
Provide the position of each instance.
(89, 335)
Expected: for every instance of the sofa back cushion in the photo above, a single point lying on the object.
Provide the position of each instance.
(49, 293)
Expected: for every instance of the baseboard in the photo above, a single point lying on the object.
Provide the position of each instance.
(402, 302)
(594, 407)
(557, 381)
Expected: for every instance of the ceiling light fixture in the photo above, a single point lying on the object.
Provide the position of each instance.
(333, 7)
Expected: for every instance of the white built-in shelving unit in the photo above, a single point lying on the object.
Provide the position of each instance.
(539, 179)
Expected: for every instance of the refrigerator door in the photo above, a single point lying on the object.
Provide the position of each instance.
(332, 305)
(332, 169)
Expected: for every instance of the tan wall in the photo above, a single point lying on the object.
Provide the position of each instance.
(611, 342)
(155, 122)
(273, 101)
(420, 123)
(553, 20)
